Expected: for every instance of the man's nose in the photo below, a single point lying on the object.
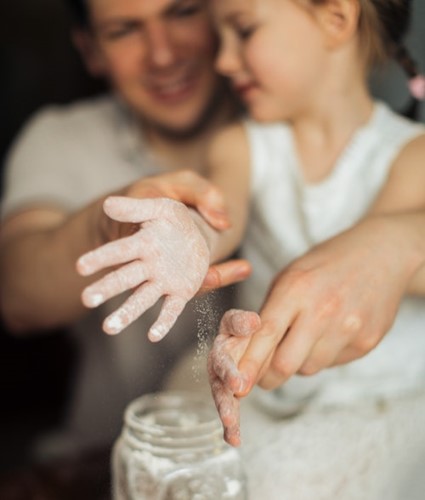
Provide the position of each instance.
(161, 48)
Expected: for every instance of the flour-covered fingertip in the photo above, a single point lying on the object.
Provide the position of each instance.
(113, 325)
(156, 334)
(82, 267)
(92, 300)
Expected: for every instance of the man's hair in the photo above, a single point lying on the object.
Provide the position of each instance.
(79, 11)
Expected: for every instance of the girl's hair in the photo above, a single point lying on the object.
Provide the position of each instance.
(382, 27)
(383, 24)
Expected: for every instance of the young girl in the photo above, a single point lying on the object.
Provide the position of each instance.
(340, 155)
(336, 184)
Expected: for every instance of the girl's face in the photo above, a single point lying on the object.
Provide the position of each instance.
(274, 53)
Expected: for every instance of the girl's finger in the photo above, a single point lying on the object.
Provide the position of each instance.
(140, 301)
(170, 311)
(111, 254)
(114, 283)
(239, 323)
(227, 406)
(126, 209)
(224, 366)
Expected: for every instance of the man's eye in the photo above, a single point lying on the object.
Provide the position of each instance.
(121, 32)
(187, 10)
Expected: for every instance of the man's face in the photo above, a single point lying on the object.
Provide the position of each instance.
(159, 56)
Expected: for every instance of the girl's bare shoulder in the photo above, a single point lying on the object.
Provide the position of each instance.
(405, 187)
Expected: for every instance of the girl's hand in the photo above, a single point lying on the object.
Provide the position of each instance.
(236, 327)
(166, 257)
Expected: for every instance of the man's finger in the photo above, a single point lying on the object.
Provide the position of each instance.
(347, 355)
(225, 274)
(291, 353)
(276, 321)
(194, 190)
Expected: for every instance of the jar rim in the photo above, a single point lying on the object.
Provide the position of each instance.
(173, 420)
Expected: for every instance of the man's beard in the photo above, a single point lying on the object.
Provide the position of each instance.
(213, 107)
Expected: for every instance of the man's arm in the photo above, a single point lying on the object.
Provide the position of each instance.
(39, 248)
(403, 201)
(39, 287)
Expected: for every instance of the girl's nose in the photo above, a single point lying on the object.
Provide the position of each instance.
(227, 61)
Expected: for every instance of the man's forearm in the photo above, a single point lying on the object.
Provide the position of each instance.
(40, 287)
(403, 233)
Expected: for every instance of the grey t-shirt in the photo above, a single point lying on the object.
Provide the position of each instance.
(68, 156)
(71, 155)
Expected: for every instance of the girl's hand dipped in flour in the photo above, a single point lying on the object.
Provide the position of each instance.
(168, 256)
(227, 383)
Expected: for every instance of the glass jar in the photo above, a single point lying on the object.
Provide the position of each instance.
(172, 448)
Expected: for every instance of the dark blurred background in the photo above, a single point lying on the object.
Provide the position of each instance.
(38, 65)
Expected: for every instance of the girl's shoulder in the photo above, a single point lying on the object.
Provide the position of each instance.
(407, 133)
(406, 179)
(389, 123)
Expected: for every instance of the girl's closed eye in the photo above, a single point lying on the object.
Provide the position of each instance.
(244, 32)
(244, 25)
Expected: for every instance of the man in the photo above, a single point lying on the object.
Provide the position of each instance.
(165, 103)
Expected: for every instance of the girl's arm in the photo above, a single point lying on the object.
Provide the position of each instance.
(169, 254)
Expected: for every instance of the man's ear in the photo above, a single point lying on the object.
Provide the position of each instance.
(339, 20)
(86, 45)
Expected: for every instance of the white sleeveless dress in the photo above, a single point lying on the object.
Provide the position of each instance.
(361, 432)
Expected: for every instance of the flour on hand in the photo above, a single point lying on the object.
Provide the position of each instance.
(167, 257)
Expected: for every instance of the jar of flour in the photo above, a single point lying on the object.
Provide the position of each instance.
(171, 448)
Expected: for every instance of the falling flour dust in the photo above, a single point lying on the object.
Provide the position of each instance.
(209, 315)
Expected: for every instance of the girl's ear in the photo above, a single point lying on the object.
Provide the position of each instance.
(86, 45)
(339, 20)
